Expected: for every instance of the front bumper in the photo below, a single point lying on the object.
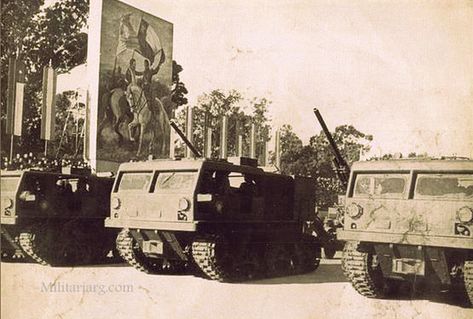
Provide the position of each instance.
(405, 239)
(146, 224)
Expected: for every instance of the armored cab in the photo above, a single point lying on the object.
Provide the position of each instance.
(232, 220)
(55, 218)
(409, 220)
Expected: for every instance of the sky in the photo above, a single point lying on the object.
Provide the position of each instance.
(399, 70)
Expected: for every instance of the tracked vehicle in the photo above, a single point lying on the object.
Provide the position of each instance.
(409, 220)
(233, 221)
(55, 218)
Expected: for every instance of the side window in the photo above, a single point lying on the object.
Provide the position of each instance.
(215, 182)
(66, 185)
(222, 182)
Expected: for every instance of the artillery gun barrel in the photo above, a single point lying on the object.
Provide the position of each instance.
(184, 138)
(340, 163)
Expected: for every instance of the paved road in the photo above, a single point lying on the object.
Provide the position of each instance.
(119, 291)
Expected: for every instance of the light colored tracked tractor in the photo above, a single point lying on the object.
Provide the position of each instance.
(230, 219)
(409, 220)
(234, 221)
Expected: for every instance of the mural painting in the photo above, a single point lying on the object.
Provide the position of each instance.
(135, 78)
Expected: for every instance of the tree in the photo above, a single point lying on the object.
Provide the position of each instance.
(316, 158)
(54, 34)
(179, 90)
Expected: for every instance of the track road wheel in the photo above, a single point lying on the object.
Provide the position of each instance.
(131, 252)
(364, 271)
(329, 251)
(280, 260)
(213, 256)
(308, 255)
(248, 265)
(468, 280)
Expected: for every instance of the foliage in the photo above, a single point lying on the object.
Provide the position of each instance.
(179, 90)
(53, 34)
(315, 159)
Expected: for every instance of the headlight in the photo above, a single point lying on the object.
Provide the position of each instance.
(465, 214)
(219, 206)
(184, 204)
(115, 203)
(7, 202)
(354, 210)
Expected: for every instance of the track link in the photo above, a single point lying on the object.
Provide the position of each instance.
(126, 248)
(358, 267)
(468, 279)
(16, 253)
(211, 255)
(27, 243)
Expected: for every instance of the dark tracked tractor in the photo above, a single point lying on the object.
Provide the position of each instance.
(54, 218)
(229, 219)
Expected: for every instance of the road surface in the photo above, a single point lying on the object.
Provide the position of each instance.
(119, 291)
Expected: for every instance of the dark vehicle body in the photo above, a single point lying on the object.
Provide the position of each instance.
(55, 218)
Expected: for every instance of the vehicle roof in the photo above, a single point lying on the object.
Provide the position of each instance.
(414, 164)
(36, 172)
(191, 164)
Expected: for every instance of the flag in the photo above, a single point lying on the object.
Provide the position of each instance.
(48, 110)
(145, 41)
(15, 96)
(150, 45)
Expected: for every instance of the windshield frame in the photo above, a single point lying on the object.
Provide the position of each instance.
(444, 197)
(117, 186)
(395, 196)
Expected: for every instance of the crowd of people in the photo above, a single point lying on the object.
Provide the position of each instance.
(31, 161)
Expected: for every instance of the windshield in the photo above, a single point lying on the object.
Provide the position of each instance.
(136, 181)
(381, 185)
(9, 183)
(175, 180)
(451, 186)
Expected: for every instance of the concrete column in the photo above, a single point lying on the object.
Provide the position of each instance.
(224, 137)
(208, 144)
(253, 141)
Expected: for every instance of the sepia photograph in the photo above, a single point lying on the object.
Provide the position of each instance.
(236, 159)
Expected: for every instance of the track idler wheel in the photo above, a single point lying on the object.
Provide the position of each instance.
(130, 251)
